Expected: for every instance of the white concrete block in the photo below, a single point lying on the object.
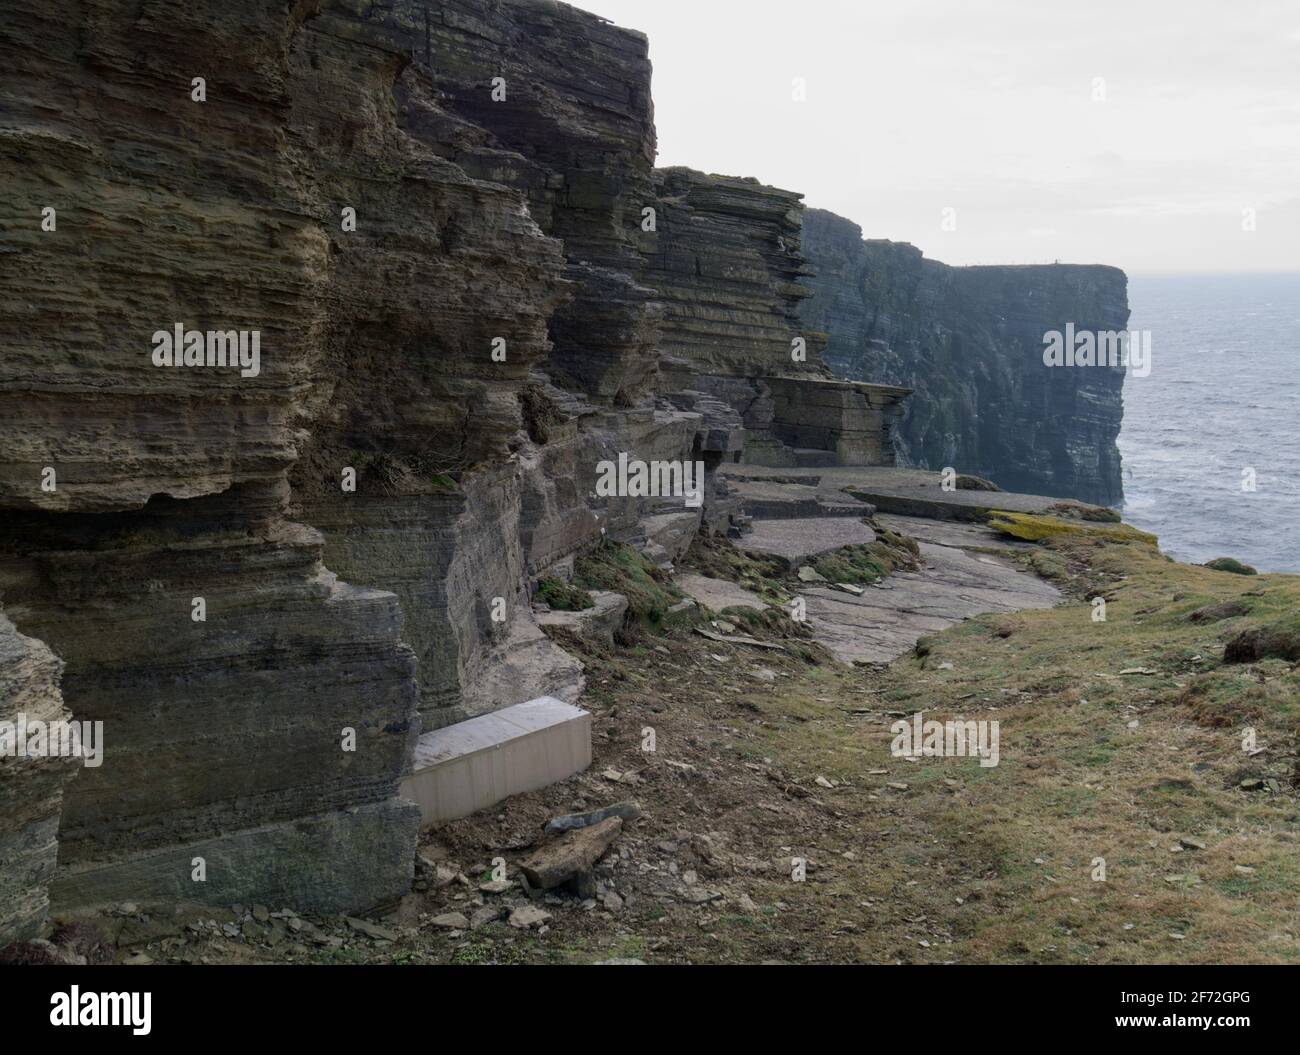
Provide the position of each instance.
(472, 765)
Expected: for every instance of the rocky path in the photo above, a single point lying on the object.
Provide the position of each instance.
(955, 582)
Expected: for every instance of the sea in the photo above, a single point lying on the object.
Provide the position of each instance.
(1211, 437)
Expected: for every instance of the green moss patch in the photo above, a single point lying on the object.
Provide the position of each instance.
(563, 596)
(618, 567)
(1230, 564)
(869, 562)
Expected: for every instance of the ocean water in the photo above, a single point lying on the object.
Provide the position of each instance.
(1223, 396)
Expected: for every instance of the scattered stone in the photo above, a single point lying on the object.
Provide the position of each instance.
(487, 914)
(496, 886)
(848, 587)
(807, 574)
(1244, 870)
(573, 852)
(1188, 843)
(821, 781)
(738, 639)
(627, 810)
(620, 961)
(1213, 613)
(450, 921)
(371, 930)
(526, 917)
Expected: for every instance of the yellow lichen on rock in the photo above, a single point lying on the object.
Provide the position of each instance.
(1032, 527)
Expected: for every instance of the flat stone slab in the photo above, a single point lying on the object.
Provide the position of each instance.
(718, 594)
(909, 492)
(953, 585)
(796, 540)
(774, 498)
(961, 534)
(472, 765)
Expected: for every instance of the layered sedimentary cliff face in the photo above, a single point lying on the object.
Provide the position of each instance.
(970, 341)
(725, 257)
(265, 575)
(146, 540)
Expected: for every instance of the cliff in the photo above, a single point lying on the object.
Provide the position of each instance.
(726, 260)
(969, 341)
(268, 575)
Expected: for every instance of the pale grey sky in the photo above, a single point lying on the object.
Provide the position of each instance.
(986, 108)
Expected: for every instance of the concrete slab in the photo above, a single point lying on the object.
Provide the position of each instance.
(472, 765)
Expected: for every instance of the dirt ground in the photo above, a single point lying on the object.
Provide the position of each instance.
(1143, 808)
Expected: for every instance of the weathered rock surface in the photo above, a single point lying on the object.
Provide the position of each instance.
(31, 788)
(627, 811)
(571, 853)
(952, 585)
(596, 624)
(969, 341)
(223, 734)
(718, 594)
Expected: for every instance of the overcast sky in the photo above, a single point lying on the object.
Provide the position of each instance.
(917, 106)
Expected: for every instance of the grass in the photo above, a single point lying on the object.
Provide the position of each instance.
(870, 562)
(1118, 739)
(618, 567)
(563, 597)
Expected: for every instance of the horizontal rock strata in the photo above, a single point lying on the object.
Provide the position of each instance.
(725, 257)
(969, 341)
